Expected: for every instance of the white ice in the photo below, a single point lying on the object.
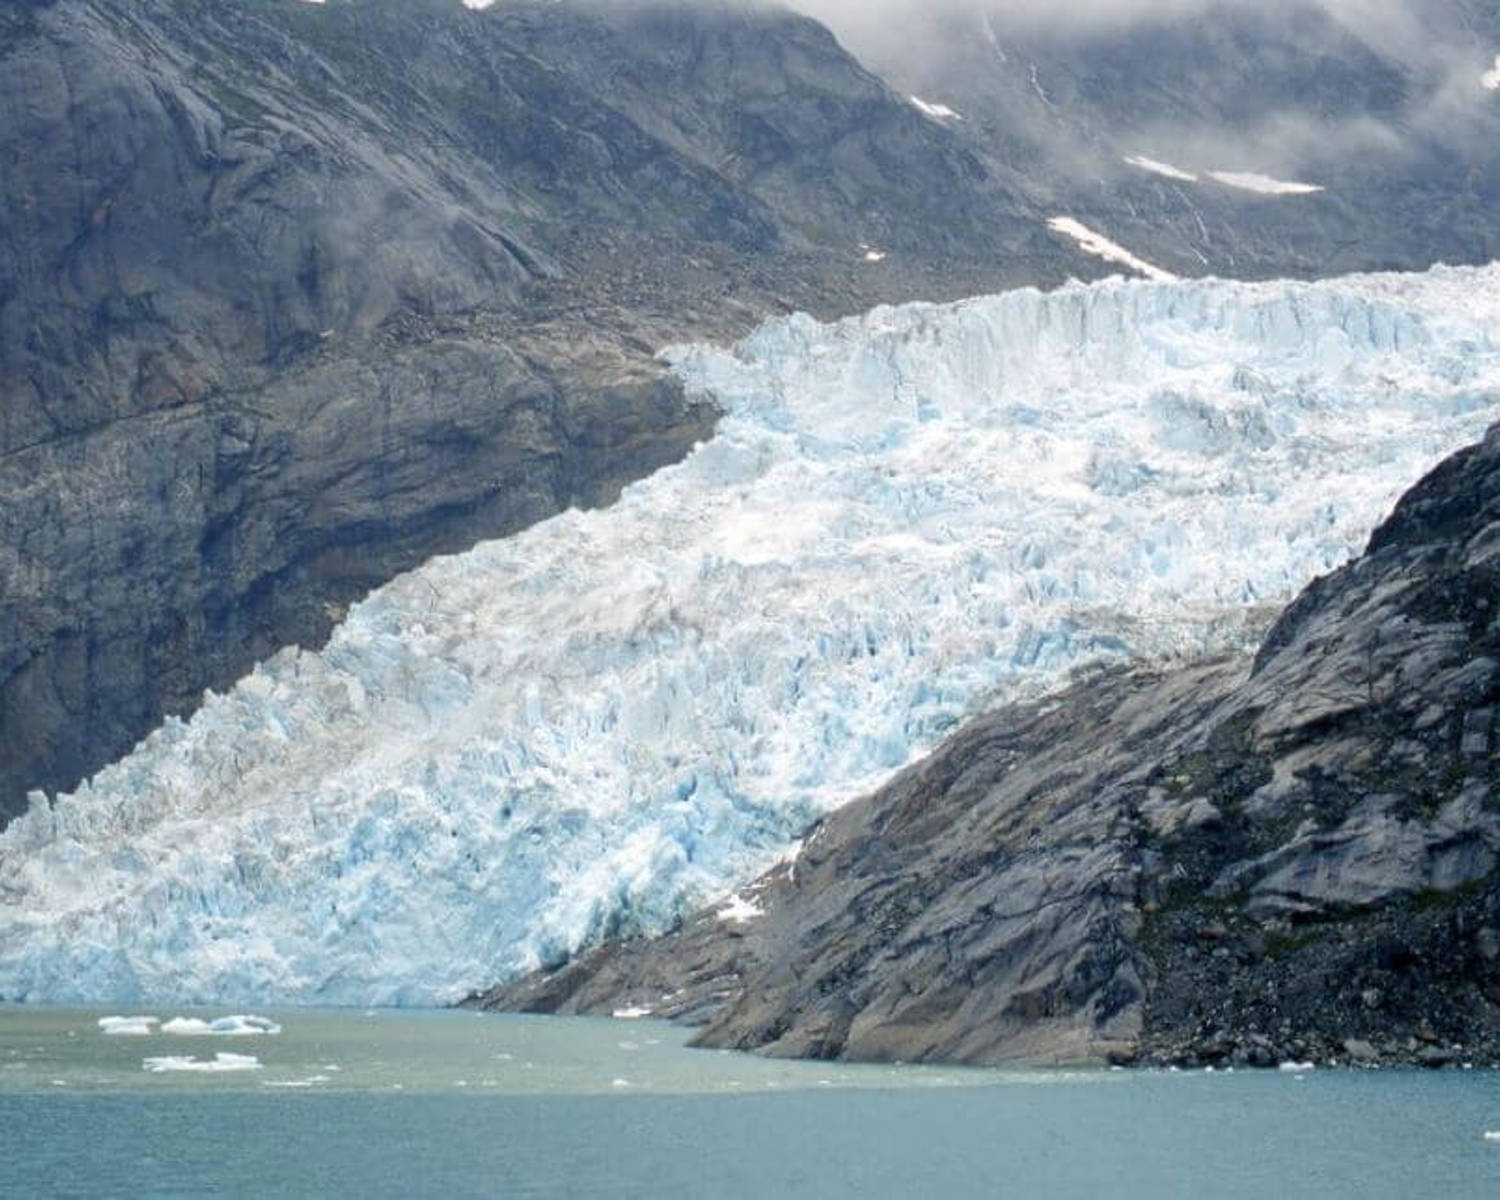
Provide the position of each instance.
(737, 909)
(1156, 167)
(1298, 1068)
(615, 715)
(219, 1062)
(236, 1026)
(1250, 181)
(938, 112)
(1491, 78)
(1101, 247)
(633, 1013)
(127, 1026)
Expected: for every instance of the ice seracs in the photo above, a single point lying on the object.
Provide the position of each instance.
(588, 727)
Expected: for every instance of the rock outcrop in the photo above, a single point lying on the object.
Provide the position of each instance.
(1287, 858)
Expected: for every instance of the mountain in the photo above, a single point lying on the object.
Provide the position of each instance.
(300, 300)
(294, 297)
(1168, 128)
(593, 726)
(1288, 856)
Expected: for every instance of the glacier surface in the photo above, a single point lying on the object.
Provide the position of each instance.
(585, 728)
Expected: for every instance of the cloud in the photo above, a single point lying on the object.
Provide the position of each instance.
(1391, 24)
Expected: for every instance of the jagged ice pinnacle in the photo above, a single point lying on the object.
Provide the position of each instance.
(589, 726)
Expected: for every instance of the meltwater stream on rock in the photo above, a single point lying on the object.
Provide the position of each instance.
(587, 727)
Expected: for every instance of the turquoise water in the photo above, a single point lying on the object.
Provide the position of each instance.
(452, 1104)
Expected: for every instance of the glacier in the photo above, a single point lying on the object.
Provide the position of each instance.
(588, 727)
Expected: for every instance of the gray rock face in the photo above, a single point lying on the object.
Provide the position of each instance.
(1245, 861)
(295, 296)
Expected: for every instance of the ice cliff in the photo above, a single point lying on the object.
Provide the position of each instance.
(590, 726)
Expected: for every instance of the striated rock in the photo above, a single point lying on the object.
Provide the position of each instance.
(1238, 860)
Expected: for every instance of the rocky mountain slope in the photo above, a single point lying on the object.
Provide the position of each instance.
(295, 296)
(1247, 861)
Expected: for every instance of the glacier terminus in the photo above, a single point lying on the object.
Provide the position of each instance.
(589, 727)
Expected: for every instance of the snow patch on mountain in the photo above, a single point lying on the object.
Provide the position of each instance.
(590, 726)
(1265, 185)
(1157, 167)
(938, 112)
(1101, 247)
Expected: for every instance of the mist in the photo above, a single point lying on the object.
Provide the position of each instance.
(1087, 14)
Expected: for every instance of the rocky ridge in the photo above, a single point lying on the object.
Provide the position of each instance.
(1285, 858)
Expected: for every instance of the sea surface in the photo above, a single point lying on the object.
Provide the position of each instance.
(399, 1103)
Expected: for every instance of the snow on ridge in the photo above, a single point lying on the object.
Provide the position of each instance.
(1251, 181)
(1245, 181)
(617, 714)
(938, 112)
(1101, 247)
(737, 910)
(1157, 167)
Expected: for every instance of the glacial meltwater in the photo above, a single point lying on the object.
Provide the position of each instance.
(452, 1104)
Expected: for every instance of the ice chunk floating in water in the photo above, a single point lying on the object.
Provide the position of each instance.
(586, 727)
(127, 1026)
(219, 1062)
(237, 1026)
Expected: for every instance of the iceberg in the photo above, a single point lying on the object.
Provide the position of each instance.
(590, 727)
(169, 1063)
(235, 1026)
(127, 1026)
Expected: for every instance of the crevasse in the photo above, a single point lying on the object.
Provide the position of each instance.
(593, 724)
